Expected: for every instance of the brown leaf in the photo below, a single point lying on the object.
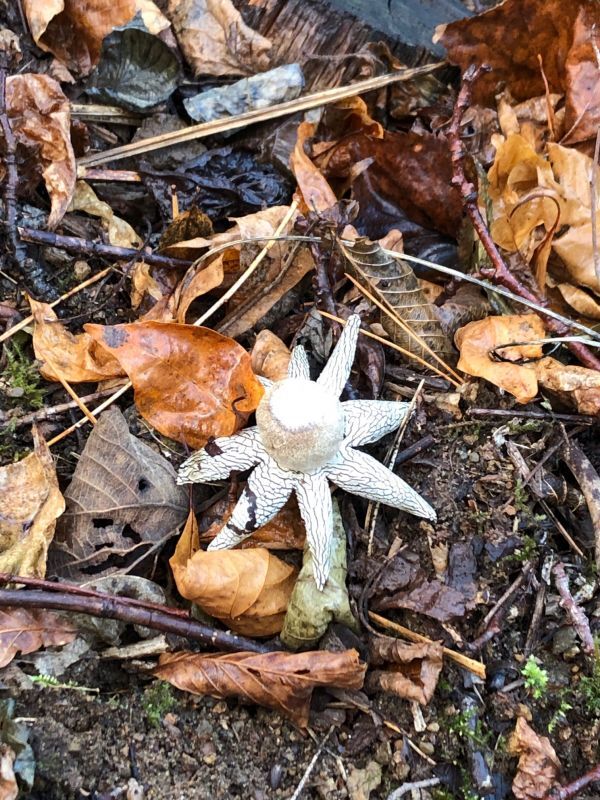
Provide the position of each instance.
(538, 768)
(411, 670)
(190, 383)
(23, 631)
(284, 532)
(123, 492)
(215, 39)
(40, 117)
(583, 302)
(197, 282)
(575, 385)
(73, 30)
(270, 357)
(316, 192)
(8, 782)
(119, 232)
(281, 681)
(582, 116)
(74, 357)
(403, 584)
(30, 503)
(477, 339)
(248, 590)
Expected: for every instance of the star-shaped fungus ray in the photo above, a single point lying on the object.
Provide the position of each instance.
(304, 438)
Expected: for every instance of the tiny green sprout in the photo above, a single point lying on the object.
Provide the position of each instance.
(157, 701)
(22, 375)
(50, 682)
(536, 678)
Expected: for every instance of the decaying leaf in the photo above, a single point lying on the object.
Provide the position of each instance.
(190, 383)
(316, 192)
(404, 584)
(30, 503)
(215, 39)
(197, 282)
(409, 670)
(583, 302)
(25, 630)
(393, 282)
(282, 681)
(310, 610)
(248, 590)
(74, 357)
(122, 497)
(119, 232)
(270, 356)
(73, 30)
(361, 782)
(538, 768)
(477, 339)
(8, 783)
(576, 386)
(40, 117)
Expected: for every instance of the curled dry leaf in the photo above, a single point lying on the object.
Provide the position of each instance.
(215, 39)
(74, 357)
(575, 385)
(40, 117)
(25, 630)
(122, 499)
(316, 192)
(30, 503)
(8, 782)
(270, 357)
(538, 768)
(248, 590)
(583, 302)
(190, 383)
(119, 232)
(281, 681)
(197, 282)
(477, 339)
(73, 30)
(409, 670)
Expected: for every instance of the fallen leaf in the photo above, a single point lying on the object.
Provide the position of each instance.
(119, 232)
(8, 783)
(361, 782)
(582, 100)
(190, 383)
(197, 282)
(309, 610)
(143, 285)
(122, 497)
(576, 386)
(215, 39)
(583, 302)
(15, 734)
(538, 767)
(74, 357)
(411, 671)
(40, 117)
(30, 503)
(248, 590)
(316, 192)
(403, 584)
(477, 339)
(73, 30)
(282, 681)
(25, 630)
(270, 357)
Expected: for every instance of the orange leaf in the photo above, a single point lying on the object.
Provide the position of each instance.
(190, 383)
(73, 30)
(283, 681)
(270, 356)
(248, 589)
(575, 385)
(75, 358)
(477, 339)
(23, 630)
(197, 282)
(317, 193)
(40, 116)
(538, 766)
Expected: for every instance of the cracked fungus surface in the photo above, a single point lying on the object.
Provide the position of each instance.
(304, 438)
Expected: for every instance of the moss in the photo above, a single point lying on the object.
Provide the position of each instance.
(157, 701)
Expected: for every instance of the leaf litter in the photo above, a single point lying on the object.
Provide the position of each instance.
(371, 180)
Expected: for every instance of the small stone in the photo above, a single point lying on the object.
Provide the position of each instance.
(434, 727)
(220, 707)
(209, 758)
(15, 391)
(427, 748)
(81, 270)
(474, 458)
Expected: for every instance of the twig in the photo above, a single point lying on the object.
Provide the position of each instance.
(491, 623)
(589, 481)
(414, 449)
(566, 792)
(413, 786)
(548, 416)
(9, 193)
(71, 392)
(499, 273)
(594, 205)
(310, 767)
(108, 402)
(476, 667)
(51, 411)
(313, 100)
(577, 616)
(108, 606)
(86, 247)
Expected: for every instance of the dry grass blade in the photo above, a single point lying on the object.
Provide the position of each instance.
(396, 347)
(313, 100)
(409, 319)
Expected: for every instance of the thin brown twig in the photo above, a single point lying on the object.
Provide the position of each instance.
(594, 205)
(566, 792)
(576, 614)
(499, 273)
(51, 411)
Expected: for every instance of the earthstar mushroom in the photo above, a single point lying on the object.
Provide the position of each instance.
(305, 437)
